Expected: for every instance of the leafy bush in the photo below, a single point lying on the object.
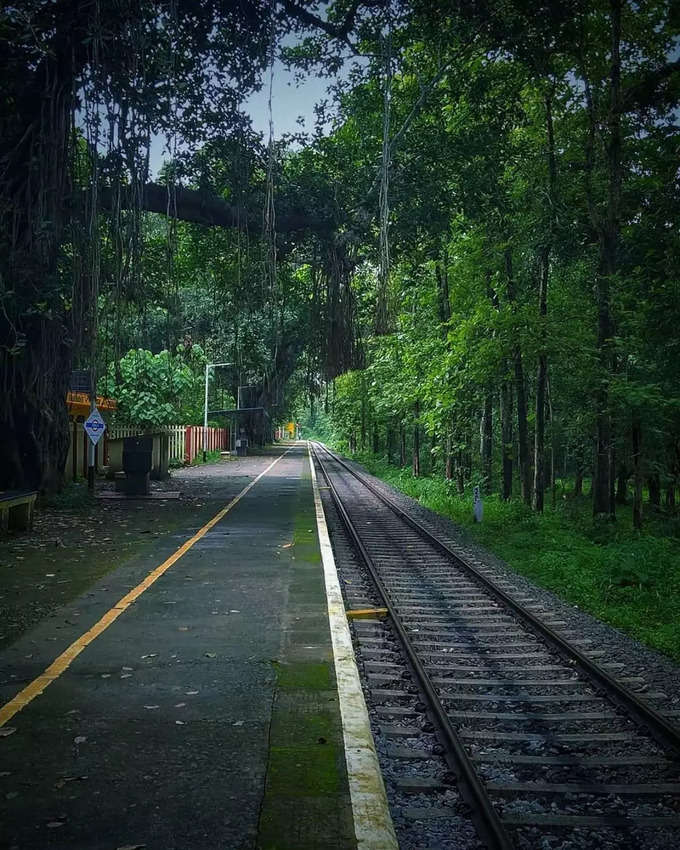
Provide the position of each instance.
(159, 389)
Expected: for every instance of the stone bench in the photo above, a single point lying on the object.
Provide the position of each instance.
(16, 509)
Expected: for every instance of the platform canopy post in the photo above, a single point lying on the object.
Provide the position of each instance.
(208, 366)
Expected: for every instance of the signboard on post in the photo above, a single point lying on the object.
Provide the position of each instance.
(477, 506)
(94, 426)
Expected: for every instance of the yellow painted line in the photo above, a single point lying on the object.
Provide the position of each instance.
(365, 613)
(63, 661)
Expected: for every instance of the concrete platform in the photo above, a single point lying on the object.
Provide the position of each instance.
(205, 712)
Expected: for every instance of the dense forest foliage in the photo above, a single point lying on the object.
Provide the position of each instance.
(470, 263)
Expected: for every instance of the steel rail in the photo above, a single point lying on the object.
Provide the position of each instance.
(665, 733)
(485, 816)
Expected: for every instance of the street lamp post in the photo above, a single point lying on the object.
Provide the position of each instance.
(205, 407)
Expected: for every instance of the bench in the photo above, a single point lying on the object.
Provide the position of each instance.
(16, 509)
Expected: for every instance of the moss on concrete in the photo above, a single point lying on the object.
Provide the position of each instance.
(306, 803)
(304, 676)
(303, 770)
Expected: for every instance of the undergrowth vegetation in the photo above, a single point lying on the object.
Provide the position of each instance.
(628, 580)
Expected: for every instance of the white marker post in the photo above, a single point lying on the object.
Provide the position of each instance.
(477, 506)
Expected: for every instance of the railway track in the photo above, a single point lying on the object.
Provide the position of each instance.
(549, 747)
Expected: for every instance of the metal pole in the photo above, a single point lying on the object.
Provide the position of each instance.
(205, 413)
(208, 366)
(90, 447)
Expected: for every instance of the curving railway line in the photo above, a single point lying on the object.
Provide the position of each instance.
(494, 709)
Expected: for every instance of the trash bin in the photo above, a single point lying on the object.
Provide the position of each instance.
(242, 446)
(137, 461)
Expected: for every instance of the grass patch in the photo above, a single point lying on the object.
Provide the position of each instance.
(628, 580)
(210, 457)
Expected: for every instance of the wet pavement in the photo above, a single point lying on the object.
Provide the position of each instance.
(205, 715)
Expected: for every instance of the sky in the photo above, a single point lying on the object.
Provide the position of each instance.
(290, 100)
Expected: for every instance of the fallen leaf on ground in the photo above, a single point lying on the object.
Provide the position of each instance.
(179, 722)
(238, 723)
(79, 739)
(180, 704)
(6, 731)
(62, 782)
(191, 693)
(151, 707)
(53, 824)
(211, 655)
(131, 847)
(286, 545)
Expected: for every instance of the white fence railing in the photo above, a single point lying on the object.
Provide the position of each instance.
(177, 437)
(184, 441)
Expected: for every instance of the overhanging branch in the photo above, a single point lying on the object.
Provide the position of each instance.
(203, 208)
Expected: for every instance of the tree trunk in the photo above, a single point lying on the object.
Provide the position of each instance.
(376, 439)
(363, 414)
(539, 423)
(612, 470)
(670, 496)
(402, 445)
(543, 279)
(600, 485)
(578, 482)
(389, 440)
(654, 485)
(539, 436)
(520, 392)
(448, 466)
(609, 235)
(637, 474)
(416, 440)
(622, 485)
(507, 438)
(460, 473)
(37, 342)
(487, 435)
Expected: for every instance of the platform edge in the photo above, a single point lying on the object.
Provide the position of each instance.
(372, 820)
